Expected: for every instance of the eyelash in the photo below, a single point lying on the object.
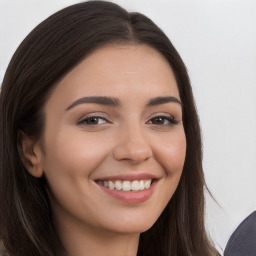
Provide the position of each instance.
(83, 121)
(171, 120)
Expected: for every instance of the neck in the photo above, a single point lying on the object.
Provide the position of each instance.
(83, 240)
(99, 244)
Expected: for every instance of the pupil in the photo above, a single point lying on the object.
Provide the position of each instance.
(93, 120)
(159, 120)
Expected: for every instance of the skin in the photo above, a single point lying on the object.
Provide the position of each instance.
(126, 139)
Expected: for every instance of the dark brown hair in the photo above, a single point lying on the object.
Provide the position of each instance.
(52, 49)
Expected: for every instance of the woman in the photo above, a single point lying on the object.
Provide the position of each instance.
(100, 140)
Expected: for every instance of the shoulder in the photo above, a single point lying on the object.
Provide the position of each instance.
(242, 241)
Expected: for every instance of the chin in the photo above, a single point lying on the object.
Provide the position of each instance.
(134, 226)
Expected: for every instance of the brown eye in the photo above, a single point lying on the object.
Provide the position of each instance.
(159, 120)
(93, 120)
(163, 120)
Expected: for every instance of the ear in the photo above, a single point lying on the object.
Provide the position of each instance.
(30, 154)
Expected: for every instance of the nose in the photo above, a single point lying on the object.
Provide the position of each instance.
(132, 145)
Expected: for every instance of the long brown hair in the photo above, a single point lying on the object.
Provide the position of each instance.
(52, 49)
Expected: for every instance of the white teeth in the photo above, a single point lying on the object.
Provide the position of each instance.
(118, 185)
(142, 187)
(135, 185)
(147, 184)
(111, 185)
(126, 185)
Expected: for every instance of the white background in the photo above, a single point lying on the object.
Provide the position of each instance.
(217, 41)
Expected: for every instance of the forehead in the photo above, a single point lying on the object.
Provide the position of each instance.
(119, 71)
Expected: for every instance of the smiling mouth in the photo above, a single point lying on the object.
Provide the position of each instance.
(127, 185)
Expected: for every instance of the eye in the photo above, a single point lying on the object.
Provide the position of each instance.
(93, 120)
(163, 120)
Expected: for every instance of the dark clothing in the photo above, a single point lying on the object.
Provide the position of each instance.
(243, 240)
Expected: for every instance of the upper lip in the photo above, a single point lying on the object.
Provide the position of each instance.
(131, 176)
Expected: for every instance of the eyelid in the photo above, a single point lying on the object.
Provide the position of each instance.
(161, 114)
(99, 115)
(168, 116)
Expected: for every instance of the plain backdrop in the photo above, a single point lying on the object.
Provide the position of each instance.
(217, 41)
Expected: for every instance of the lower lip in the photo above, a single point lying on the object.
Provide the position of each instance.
(132, 197)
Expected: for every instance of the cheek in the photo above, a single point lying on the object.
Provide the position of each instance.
(78, 153)
(171, 154)
(69, 163)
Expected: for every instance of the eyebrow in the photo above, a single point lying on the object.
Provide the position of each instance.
(163, 100)
(110, 101)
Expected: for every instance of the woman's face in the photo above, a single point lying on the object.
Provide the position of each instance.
(114, 145)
